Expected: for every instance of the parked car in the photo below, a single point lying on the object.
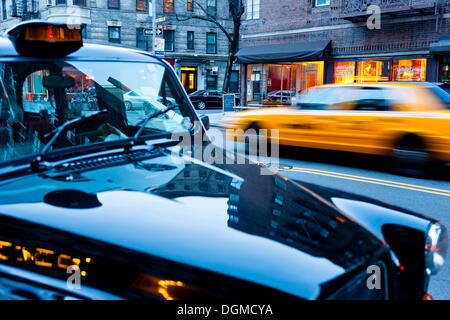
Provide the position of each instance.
(209, 99)
(275, 96)
(101, 207)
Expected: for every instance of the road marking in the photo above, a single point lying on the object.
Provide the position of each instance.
(388, 183)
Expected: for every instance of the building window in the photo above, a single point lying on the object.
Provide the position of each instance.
(4, 15)
(81, 3)
(169, 40)
(168, 6)
(190, 5)
(113, 4)
(211, 7)
(211, 42)
(190, 40)
(141, 39)
(60, 2)
(142, 5)
(320, 3)
(252, 9)
(114, 34)
(211, 80)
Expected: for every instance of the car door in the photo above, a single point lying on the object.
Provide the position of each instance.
(358, 130)
(214, 99)
(312, 122)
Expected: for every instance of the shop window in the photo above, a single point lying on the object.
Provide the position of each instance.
(113, 4)
(190, 40)
(141, 39)
(142, 6)
(409, 70)
(169, 40)
(114, 34)
(61, 2)
(252, 9)
(168, 6)
(373, 71)
(211, 42)
(81, 3)
(344, 72)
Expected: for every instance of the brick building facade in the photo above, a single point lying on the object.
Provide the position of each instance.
(199, 61)
(335, 45)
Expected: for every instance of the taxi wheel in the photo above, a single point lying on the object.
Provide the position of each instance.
(411, 159)
(128, 105)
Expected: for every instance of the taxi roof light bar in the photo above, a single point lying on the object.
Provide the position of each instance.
(45, 39)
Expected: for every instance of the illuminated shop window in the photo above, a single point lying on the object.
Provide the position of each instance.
(373, 71)
(344, 72)
(409, 70)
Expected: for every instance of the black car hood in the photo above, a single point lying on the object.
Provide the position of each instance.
(228, 219)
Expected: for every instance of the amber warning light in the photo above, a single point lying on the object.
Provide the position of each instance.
(45, 39)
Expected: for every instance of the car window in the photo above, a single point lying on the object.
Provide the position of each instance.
(442, 95)
(40, 96)
(371, 99)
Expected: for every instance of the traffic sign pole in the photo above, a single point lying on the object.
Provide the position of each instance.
(153, 25)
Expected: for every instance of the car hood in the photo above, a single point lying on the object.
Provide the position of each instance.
(229, 219)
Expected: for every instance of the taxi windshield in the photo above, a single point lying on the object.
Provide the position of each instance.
(37, 97)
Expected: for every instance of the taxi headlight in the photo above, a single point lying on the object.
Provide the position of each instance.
(436, 246)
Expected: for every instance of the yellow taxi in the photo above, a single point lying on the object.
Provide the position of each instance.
(410, 121)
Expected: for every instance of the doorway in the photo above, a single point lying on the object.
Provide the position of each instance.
(189, 78)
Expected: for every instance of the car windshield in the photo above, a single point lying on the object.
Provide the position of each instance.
(36, 97)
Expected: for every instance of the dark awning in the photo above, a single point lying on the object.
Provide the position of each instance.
(290, 52)
(440, 47)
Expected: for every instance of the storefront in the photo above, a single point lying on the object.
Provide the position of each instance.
(272, 74)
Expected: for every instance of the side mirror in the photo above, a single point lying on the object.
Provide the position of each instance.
(205, 122)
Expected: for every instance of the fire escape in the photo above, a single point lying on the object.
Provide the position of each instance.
(356, 10)
(25, 9)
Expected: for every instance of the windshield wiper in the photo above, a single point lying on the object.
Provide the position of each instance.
(54, 134)
(144, 122)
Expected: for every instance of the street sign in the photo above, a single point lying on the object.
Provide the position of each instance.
(160, 26)
(162, 19)
(148, 32)
(159, 47)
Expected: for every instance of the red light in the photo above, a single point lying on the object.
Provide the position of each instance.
(402, 268)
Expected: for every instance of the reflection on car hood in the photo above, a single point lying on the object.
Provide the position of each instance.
(228, 219)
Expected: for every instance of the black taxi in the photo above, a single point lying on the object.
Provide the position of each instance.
(98, 201)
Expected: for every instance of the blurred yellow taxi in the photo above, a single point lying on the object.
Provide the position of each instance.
(409, 121)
